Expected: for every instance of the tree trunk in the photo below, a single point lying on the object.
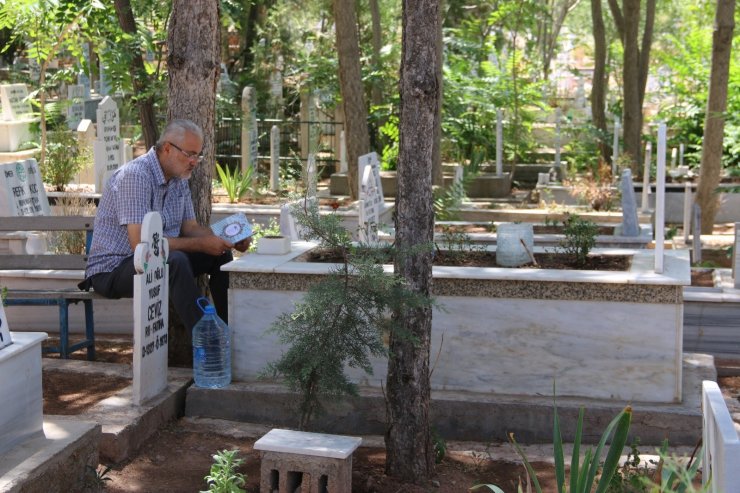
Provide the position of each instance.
(408, 438)
(350, 84)
(598, 88)
(636, 63)
(714, 121)
(138, 74)
(437, 172)
(631, 83)
(194, 65)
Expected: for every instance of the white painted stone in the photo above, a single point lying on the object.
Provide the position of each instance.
(499, 142)
(151, 300)
(5, 339)
(21, 415)
(660, 199)
(373, 162)
(646, 177)
(275, 158)
(721, 442)
(343, 166)
(76, 110)
(107, 149)
(305, 443)
(250, 135)
(15, 103)
(311, 176)
(22, 191)
(273, 245)
(368, 208)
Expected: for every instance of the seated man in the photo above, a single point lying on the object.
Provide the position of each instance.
(158, 181)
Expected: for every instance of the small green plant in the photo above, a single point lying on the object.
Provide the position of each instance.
(236, 183)
(580, 237)
(440, 447)
(223, 477)
(447, 199)
(64, 159)
(95, 478)
(582, 474)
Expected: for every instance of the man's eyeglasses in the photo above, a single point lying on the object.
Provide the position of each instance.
(190, 155)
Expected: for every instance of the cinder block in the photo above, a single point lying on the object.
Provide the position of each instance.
(306, 462)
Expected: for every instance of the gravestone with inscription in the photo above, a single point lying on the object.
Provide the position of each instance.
(151, 298)
(76, 109)
(22, 190)
(371, 160)
(16, 117)
(369, 204)
(107, 149)
(250, 133)
(311, 176)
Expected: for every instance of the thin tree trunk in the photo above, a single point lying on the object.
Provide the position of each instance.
(350, 83)
(437, 172)
(408, 437)
(194, 66)
(631, 83)
(598, 89)
(145, 105)
(714, 121)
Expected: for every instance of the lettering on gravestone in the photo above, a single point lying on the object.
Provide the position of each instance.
(22, 190)
(151, 300)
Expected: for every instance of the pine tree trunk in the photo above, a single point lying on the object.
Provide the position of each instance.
(408, 437)
(138, 73)
(194, 66)
(631, 82)
(714, 121)
(350, 83)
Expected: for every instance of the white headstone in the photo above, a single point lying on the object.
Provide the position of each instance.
(736, 257)
(371, 160)
(4, 329)
(107, 150)
(499, 142)
(151, 298)
(459, 175)
(16, 105)
(275, 158)
(276, 85)
(660, 199)
(343, 167)
(76, 109)
(103, 83)
(311, 176)
(688, 200)
(22, 191)
(84, 81)
(615, 146)
(674, 157)
(680, 154)
(369, 207)
(314, 126)
(646, 177)
(250, 135)
(288, 225)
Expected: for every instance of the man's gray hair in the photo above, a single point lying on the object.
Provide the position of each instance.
(176, 130)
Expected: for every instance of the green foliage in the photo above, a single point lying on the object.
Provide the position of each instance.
(580, 237)
(342, 319)
(223, 477)
(448, 199)
(389, 158)
(95, 478)
(439, 446)
(236, 183)
(582, 474)
(64, 159)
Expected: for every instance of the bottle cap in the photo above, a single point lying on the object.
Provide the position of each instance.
(206, 306)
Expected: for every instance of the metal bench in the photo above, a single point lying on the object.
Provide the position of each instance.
(57, 297)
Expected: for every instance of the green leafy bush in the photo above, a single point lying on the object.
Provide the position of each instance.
(64, 159)
(236, 183)
(580, 237)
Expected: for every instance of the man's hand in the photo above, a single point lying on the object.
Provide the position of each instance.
(214, 245)
(243, 245)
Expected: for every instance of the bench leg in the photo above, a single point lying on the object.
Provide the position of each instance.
(64, 329)
(90, 329)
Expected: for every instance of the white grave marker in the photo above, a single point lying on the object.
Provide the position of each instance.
(499, 142)
(22, 191)
(311, 177)
(76, 110)
(274, 158)
(615, 146)
(369, 207)
(151, 298)
(646, 177)
(288, 225)
(660, 199)
(4, 329)
(15, 102)
(343, 166)
(250, 135)
(107, 148)
(372, 161)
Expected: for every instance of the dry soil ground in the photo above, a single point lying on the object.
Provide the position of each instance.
(178, 457)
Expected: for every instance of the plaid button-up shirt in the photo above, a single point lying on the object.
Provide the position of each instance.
(132, 191)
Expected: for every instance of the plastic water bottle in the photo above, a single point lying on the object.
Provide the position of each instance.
(211, 349)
